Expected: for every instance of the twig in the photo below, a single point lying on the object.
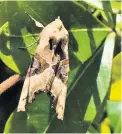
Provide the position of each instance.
(9, 82)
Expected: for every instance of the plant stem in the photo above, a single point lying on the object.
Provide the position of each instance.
(9, 82)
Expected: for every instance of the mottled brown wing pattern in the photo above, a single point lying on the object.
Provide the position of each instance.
(49, 69)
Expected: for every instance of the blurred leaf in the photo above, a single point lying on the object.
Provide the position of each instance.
(119, 21)
(87, 90)
(114, 104)
(109, 6)
(91, 129)
(109, 19)
(116, 68)
(114, 115)
(115, 93)
(89, 8)
(119, 24)
(105, 126)
(86, 33)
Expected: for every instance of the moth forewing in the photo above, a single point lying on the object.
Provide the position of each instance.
(59, 86)
(49, 71)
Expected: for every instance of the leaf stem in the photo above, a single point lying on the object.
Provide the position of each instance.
(9, 82)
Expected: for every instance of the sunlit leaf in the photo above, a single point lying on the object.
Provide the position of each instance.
(114, 115)
(109, 6)
(119, 24)
(115, 93)
(114, 102)
(105, 126)
(116, 68)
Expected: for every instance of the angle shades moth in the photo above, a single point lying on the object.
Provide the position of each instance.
(49, 69)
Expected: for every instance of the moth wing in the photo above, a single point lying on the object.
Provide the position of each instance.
(59, 90)
(36, 80)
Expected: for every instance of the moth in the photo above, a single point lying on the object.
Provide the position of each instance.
(49, 69)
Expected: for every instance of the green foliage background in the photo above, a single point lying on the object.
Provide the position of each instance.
(94, 38)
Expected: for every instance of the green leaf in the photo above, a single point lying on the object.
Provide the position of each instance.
(88, 87)
(91, 129)
(114, 114)
(119, 24)
(116, 68)
(86, 32)
(114, 104)
(106, 17)
(108, 6)
(109, 19)
(88, 41)
(10, 53)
